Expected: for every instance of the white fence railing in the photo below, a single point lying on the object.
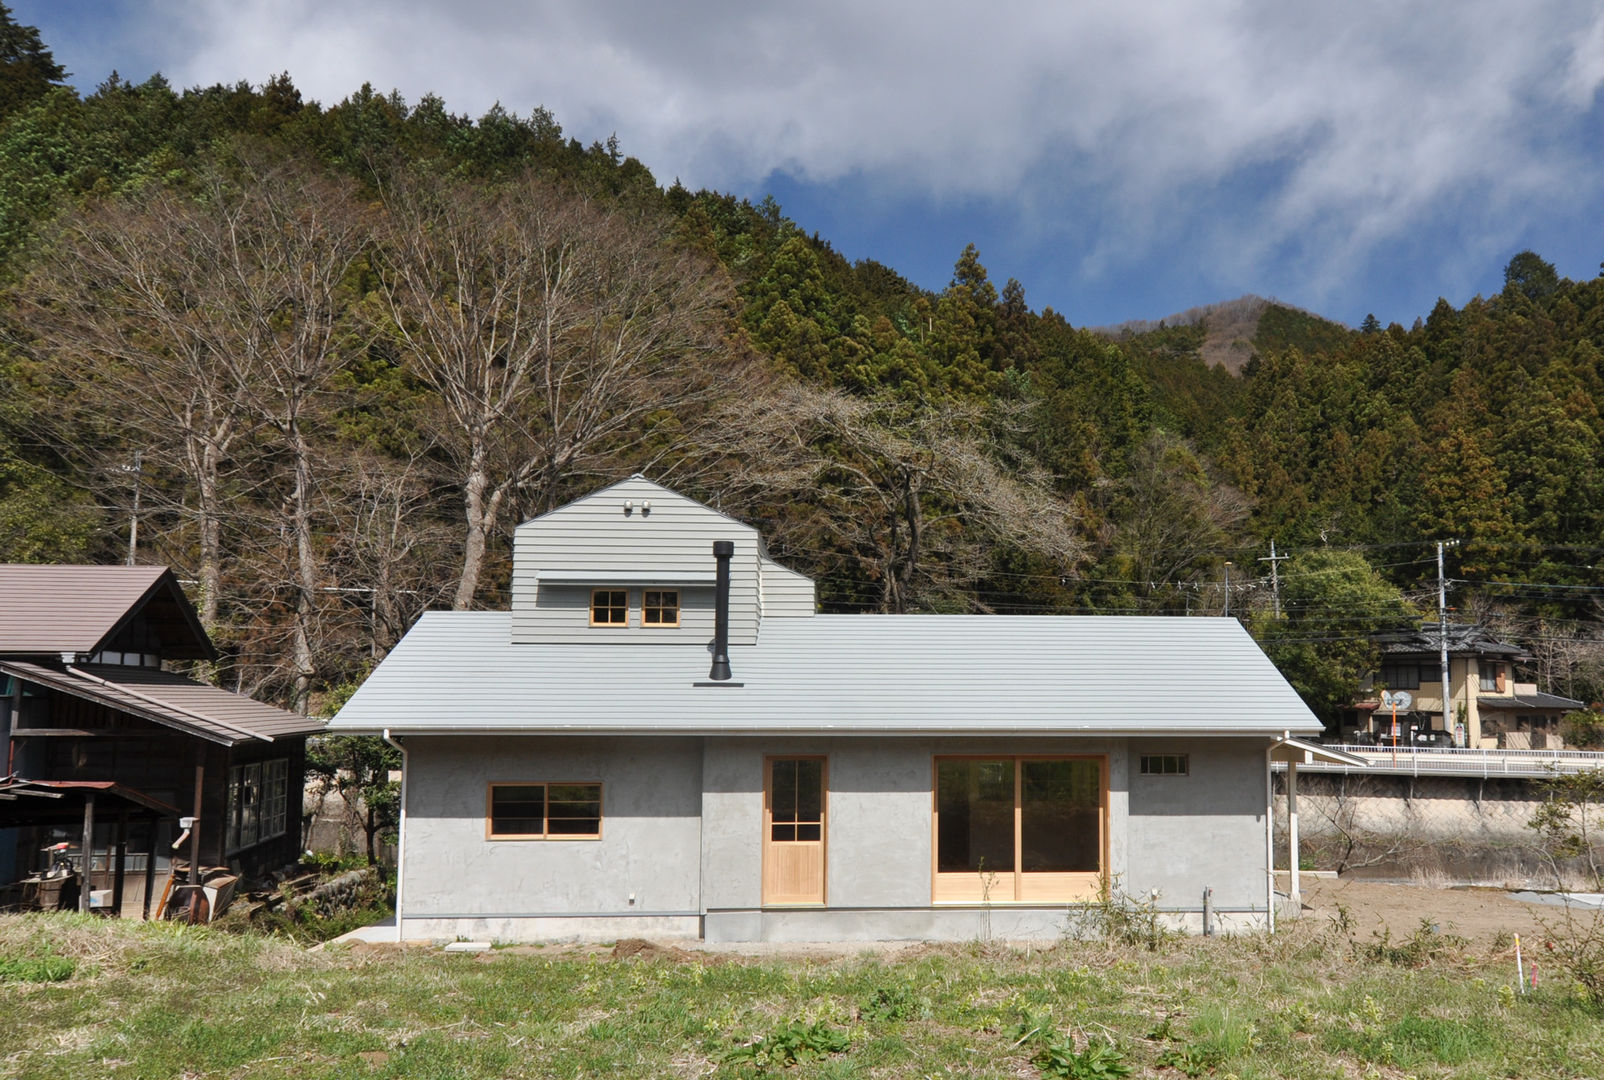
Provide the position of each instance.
(1458, 761)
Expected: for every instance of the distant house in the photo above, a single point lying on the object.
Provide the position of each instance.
(663, 737)
(1486, 707)
(101, 740)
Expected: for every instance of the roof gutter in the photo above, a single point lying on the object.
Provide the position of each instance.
(168, 706)
(832, 731)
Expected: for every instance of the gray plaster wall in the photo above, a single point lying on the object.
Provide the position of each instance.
(878, 838)
(649, 848)
(683, 831)
(1201, 830)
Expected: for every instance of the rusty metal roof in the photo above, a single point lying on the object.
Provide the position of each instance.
(43, 802)
(77, 609)
(161, 697)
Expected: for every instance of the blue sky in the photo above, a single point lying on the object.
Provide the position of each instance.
(1122, 161)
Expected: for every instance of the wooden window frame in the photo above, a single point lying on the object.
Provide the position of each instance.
(645, 606)
(268, 810)
(970, 889)
(1184, 760)
(624, 625)
(601, 810)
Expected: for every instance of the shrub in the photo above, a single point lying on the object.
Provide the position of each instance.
(1583, 728)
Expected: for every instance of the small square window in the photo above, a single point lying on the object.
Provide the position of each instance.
(1165, 765)
(660, 608)
(609, 607)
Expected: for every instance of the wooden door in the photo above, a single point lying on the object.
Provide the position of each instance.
(793, 830)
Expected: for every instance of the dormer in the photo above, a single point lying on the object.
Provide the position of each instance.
(633, 564)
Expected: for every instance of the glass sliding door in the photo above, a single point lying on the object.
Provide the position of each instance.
(1019, 828)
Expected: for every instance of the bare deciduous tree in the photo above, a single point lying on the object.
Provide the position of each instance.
(131, 313)
(550, 331)
(917, 492)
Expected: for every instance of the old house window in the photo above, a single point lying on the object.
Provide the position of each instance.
(1019, 828)
(609, 607)
(1399, 675)
(543, 812)
(258, 803)
(660, 607)
(1490, 676)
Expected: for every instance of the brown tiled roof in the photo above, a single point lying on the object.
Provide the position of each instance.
(171, 700)
(75, 609)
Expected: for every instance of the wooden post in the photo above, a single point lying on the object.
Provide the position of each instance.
(122, 866)
(89, 852)
(150, 866)
(195, 826)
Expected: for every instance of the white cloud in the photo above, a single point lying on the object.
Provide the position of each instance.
(1330, 126)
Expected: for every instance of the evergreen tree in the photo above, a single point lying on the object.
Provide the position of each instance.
(27, 69)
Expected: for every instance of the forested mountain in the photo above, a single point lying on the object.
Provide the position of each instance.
(327, 357)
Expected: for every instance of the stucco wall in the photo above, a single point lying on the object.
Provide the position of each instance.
(683, 830)
(651, 801)
(1202, 830)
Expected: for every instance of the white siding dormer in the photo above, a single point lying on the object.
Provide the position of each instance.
(640, 537)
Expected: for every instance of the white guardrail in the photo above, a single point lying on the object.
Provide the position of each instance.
(1458, 761)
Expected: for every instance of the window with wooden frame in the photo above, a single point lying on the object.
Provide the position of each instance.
(258, 803)
(1165, 765)
(516, 811)
(1031, 829)
(660, 607)
(609, 607)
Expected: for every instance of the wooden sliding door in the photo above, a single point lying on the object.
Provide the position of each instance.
(793, 830)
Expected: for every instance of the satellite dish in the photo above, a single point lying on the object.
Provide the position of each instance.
(1396, 699)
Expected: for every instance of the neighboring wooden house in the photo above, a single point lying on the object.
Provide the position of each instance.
(663, 737)
(1487, 708)
(101, 738)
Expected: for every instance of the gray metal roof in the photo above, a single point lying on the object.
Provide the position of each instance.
(76, 609)
(170, 700)
(1527, 701)
(458, 672)
(1464, 639)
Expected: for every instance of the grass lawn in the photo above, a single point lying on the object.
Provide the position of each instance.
(84, 998)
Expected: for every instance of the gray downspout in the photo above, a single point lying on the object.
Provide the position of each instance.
(400, 834)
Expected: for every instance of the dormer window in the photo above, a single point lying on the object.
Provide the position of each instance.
(660, 607)
(609, 607)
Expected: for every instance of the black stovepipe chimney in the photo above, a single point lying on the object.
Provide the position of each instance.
(722, 551)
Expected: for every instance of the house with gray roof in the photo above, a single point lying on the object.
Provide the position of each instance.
(664, 737)
(1488, 706)
(112, 753)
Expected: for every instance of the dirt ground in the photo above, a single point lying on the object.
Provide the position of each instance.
(1474, 913)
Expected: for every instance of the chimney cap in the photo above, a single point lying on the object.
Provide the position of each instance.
(723, 547)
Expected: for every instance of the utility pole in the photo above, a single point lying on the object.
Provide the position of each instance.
(1275, 577)
(133, 517)
(1442, 642)
(1227, 588)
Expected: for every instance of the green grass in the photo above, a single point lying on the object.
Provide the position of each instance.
(159, 1001)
